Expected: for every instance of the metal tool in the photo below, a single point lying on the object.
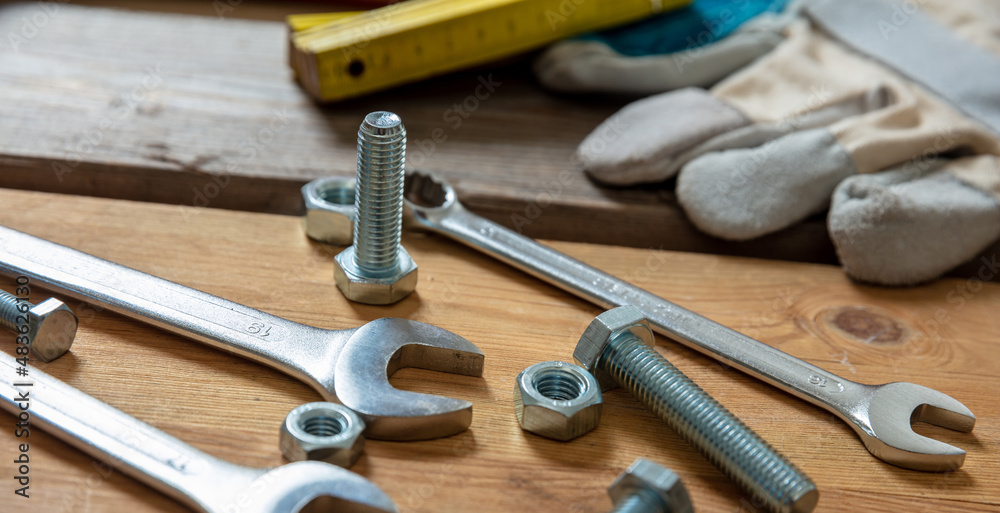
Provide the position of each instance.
(645, 487)
(51, 325)
(376, 269)
(349, 366)
(880, 414)
(617, 347)
(167, 464)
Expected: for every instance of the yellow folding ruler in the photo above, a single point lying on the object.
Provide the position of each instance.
(343, 55)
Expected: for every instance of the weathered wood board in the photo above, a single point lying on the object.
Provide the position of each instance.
(200, 110)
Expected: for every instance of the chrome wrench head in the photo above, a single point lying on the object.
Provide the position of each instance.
(204, 482)
(373, 352)
(426, 195)
(881, 415)
(351, 366)
(320, 486)
(891, 410)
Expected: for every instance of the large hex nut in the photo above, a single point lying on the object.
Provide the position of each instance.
(557, 400)
(653, 483)
(384, 290)
(327, 432)
(51, 329)
(329, 213)
(605, 328)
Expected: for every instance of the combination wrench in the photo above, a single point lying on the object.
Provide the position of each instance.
(881, 415)
(167, 464)
(350, 366)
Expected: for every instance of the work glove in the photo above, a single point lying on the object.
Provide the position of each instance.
(694, 46)
(770, 145)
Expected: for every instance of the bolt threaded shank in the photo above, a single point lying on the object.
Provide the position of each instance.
(379, 196)
(9, 311)
(707, 425)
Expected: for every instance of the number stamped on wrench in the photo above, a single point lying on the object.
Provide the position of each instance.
(833, 386)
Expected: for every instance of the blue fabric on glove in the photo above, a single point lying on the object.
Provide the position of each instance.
(701, 23)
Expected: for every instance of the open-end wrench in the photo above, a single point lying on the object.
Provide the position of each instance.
(880, 414)
(349, 366)
(167, 464)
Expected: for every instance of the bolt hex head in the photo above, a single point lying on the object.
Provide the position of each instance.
(329, 215)
(602, 330)
(644, 476)
(51, 329)
(360, 288)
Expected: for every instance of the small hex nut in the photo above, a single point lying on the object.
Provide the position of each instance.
(654, 483)
(360, 288)
(605, 328)
(51, 329)
(557, 400)
(328, 432)
(329, 215)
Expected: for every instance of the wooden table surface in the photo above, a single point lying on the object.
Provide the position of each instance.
(941, 335)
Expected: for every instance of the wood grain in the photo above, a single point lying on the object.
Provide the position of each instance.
(235, 9)
(232, 408)
(203, 110)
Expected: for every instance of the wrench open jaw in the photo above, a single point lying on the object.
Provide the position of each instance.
(350, 366)
(320, 486)
(884, 424)
(167, 464)
(880, 415)
(377, 350)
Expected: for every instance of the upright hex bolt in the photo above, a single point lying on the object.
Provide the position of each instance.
(51, 325)
(617, 348)
(646, 487)
(376, 269)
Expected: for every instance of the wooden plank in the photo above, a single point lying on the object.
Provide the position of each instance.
(165, 108)
(203, 111)
(232, 408)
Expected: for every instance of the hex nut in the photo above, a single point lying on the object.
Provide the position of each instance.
(602, 330)
(374, 291)
(557, 400)
(320, 431)
(329, 215)
(654, 483)
(51, 329)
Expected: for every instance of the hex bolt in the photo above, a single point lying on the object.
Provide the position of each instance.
(379, 197)
(617, 348)
(376, 269)
(646, 487)
(51, 324)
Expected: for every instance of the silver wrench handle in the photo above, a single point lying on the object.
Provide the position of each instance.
(760, 360)
(108, 434)
(209, 319)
